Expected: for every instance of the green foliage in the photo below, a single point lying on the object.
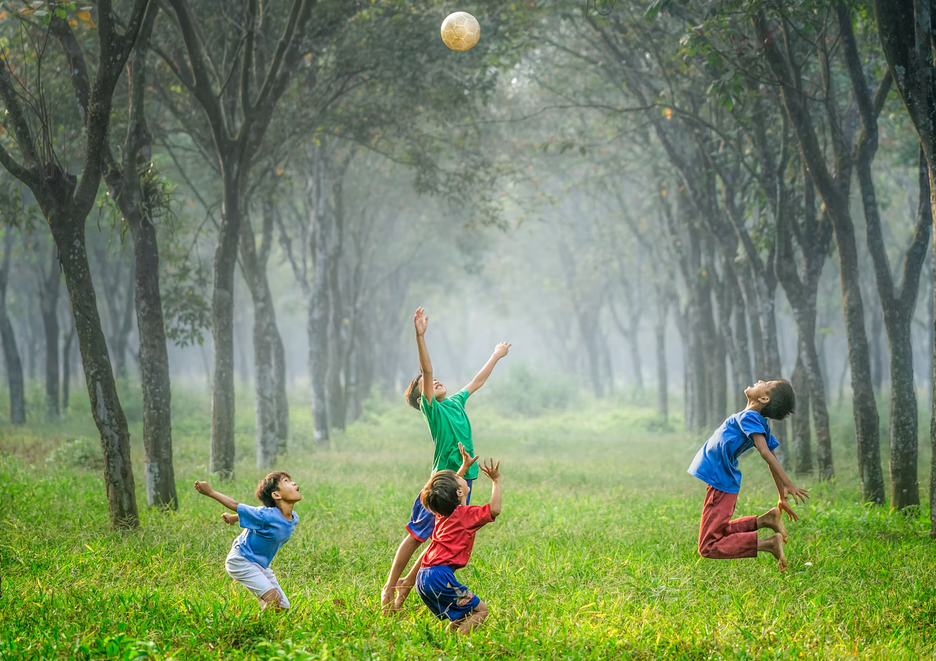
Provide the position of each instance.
(80, 452)
(524, 391)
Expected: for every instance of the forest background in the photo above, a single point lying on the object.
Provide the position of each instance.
(242, 203)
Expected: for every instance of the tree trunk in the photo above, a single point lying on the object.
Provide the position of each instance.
(337, 413)
(11, 356)
(159, 473)
(319, 295)
(280, 398)
(48, 306)
(122, 335)
(222, 326)
(105, 405)
(802, 449)
(659, 331)
(66, 367)
(265, 337)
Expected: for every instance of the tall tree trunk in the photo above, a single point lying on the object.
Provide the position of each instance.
(102, 390)
(222, 326)
(319, 295)
(280, 398)
(802, 449)
(337, 413)
(659, 331)
(66, 366)
(265, 337)
(48, 306)
(11, 356)
(122, 336)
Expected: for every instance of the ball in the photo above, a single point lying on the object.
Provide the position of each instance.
(461, 31)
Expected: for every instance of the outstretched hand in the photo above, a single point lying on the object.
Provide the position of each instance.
(799, 495)
(421, 321)
(491, 469)
(229, 519)
(467, 460)
(501, 349)
(203, 488)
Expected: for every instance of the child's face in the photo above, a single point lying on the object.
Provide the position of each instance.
(288, 491)
(438, 389)
(760, 391)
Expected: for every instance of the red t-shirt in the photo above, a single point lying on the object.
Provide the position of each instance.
(454, 535)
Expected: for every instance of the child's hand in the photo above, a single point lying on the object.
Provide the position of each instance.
(467, 460)
(784, 506)
(229, 519)
(203, 488)
(491, 469)
(799, 495)
(421, 321)
(501, 349)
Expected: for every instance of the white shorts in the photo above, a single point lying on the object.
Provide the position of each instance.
(253, 577)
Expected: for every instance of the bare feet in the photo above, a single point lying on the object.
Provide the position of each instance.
(774, 546)
(386, 599)
(773, 519)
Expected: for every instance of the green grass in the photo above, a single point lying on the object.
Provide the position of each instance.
(593, 557)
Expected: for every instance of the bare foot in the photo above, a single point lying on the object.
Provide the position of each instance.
(402, 590)
(386, 599)
(773, 519)
(774, 546)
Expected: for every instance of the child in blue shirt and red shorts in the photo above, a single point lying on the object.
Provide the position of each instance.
(716, 464)
(456, 523)
(266, 529)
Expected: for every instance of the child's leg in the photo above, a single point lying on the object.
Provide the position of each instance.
(472, 620)
(773, 519)
(256, 579)
(403, 554)
(719, 536)
(419, 529)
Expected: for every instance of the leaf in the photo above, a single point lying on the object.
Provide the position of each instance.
(3, 15)
(85, 17)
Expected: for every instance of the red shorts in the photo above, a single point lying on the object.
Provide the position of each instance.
(719, 536)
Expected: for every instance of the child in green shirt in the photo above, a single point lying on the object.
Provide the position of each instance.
(449, 427)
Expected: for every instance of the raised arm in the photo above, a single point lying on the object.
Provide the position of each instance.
(499, 352)
(205, 489)
(467, 461)
(492, 470)
(421, 321)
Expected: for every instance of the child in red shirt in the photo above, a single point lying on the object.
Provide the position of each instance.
(446, 495)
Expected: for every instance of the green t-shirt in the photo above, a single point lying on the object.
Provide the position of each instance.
(449, 426)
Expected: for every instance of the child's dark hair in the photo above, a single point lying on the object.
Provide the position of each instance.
(782, 401)
(413, 391)
(268, 485)
(440, 495)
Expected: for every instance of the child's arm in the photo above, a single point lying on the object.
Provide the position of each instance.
(499, 352)
(230, 519)
(467, 461)
(205, 489)
(425, 366)
(784, 486)
(492, 470)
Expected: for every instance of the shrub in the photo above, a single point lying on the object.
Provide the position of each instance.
(81, 452)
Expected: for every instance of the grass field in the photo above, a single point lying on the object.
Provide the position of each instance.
(593, 557)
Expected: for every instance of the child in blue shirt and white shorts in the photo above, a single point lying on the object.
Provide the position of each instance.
(266, 529)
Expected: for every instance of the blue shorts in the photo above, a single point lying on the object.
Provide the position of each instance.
(422, 521)
(443, 594)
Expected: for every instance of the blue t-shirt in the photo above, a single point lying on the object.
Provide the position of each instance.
(716, 462)
(266, 530)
